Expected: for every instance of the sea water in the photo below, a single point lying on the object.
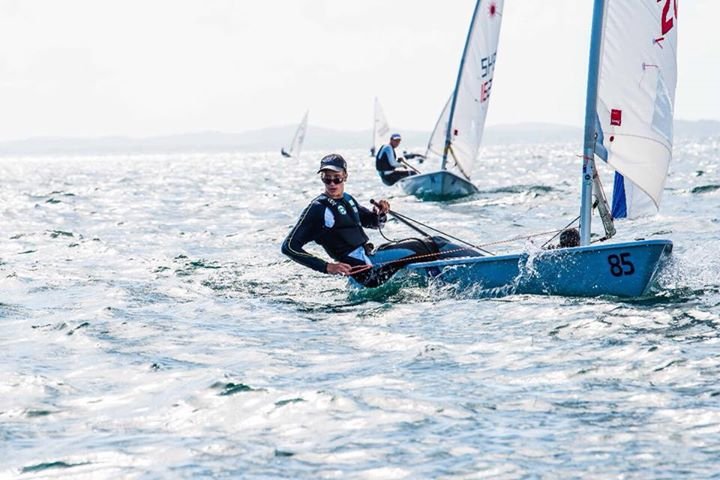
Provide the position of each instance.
(151, 328)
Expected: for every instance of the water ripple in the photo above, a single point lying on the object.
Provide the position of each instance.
(152, 329)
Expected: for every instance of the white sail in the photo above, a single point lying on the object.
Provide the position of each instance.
(436, 144)
(298, 139)
(381, 129)
(469, 105)
(636, 94)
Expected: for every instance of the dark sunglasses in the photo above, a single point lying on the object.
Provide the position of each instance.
(335, 180)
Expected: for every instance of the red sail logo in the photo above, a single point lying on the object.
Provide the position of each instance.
(668, 18)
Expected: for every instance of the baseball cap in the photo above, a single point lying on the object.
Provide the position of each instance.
(395, 136)
(333, 162)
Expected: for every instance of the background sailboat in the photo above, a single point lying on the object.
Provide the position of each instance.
(628, 122)
(458, 132)
(381, 134)
(298, 139)
(381, 129)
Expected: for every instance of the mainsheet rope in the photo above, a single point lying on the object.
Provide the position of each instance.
(362, 268)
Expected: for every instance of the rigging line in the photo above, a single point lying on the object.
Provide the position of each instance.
(382, 234)
(521, 237)
(457, 164)
(408, 219)
(401, 219)
(362, 268)
(560, 231)
(410, 166)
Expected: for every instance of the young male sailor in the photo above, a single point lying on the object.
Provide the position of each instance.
(387, 164)
(335, 221)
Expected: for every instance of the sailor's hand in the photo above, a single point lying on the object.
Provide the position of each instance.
(382, 207)
(339, 269)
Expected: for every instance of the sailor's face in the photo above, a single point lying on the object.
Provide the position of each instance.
(334, 182)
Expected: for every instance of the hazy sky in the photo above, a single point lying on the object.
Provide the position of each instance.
(150, 67)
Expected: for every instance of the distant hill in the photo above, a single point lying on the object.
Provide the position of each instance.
(697, 128)
(526, 133)
(317, 138)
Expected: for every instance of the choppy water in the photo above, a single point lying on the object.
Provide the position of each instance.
(150, 328)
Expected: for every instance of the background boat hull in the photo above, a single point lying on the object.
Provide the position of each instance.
(439, 185)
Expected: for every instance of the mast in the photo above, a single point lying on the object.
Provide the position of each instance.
(448, 134)
(588, 170)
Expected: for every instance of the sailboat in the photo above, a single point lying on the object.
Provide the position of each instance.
(628, 124)
(381, 129)
(459, 129)
(381, 133)
(298, 139)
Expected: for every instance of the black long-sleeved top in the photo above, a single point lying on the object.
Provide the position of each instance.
(335, 224)
(386, 160)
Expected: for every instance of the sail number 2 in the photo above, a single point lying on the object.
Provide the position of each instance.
(667, 15)
(621, 265)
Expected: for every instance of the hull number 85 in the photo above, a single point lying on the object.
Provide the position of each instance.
(621, 265)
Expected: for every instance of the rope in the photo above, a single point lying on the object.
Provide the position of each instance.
(412, 258)
(526, 237)
(457, 164)
(408, 219)
(409, 259)
(559, 231)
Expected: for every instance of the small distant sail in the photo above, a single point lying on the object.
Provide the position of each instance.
(636, 94)
(297, 141)
(381, 129)
(436, 144)
(471, 97)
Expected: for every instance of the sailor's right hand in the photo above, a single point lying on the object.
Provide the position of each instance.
(338, 269)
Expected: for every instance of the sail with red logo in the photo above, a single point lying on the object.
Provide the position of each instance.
(636, 93)
(458, 133)
(628, 123)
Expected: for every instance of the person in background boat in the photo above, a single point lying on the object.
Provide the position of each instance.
(335, 221)
(388, 164)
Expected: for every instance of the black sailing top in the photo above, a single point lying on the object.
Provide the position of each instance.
(336, 225)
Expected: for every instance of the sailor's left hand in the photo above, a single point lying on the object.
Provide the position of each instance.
(382, 207)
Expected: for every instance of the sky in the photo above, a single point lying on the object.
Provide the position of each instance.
(85, 68)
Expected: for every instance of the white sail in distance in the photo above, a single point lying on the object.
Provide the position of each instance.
(436, 144)
(471, 97)
(381, 129)
(636, 96)
(299, 138)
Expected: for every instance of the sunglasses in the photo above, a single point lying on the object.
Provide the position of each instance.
(335, 180)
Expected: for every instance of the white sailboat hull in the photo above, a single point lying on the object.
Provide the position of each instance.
(439, 185)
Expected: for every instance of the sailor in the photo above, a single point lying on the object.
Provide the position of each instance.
(335, 221)
(570, 237)
(388, 164)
